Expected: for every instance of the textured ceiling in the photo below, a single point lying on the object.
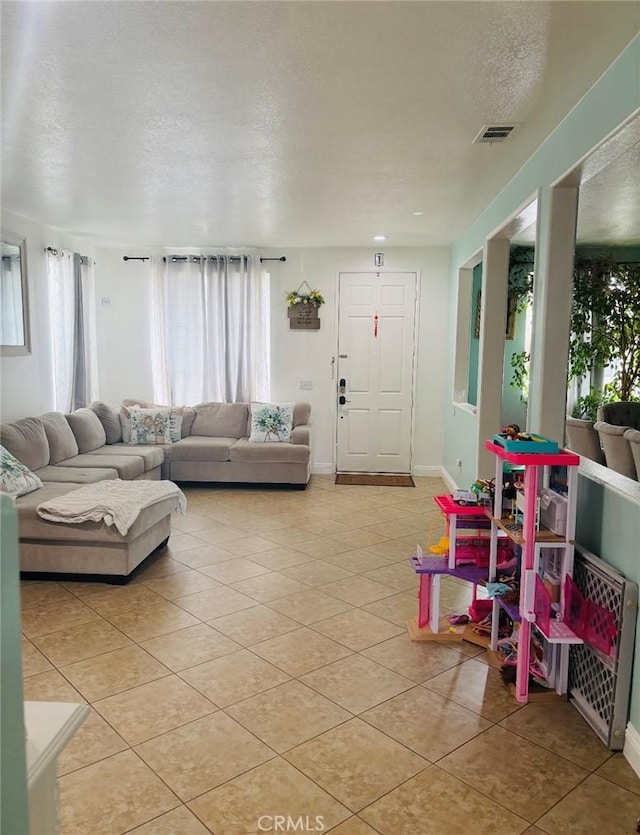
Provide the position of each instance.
(284, 123)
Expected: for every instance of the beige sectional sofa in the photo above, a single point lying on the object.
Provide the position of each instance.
(215, 445)
(66, 452)
(86, 446)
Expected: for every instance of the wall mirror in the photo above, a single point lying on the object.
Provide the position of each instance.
(14, 297)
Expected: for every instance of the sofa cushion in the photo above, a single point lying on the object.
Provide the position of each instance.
(182, 417)
(109, 417)
(276, 453)
(201, 448)
(271, 422)
(76, 475)
(127, 467)
(62, 441)
(221, 420)
(88, 430)
(16, 479)
(301, 413)
(27, 441)
(33, 527)
(153, 456)
(150, 426)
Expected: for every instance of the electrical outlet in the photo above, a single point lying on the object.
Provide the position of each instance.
(306, 385)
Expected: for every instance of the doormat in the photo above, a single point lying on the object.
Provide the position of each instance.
(377, 479)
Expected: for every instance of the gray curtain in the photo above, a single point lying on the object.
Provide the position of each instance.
(210, 325)
(80, 386)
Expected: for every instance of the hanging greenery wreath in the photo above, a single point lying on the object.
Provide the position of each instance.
(313, 297)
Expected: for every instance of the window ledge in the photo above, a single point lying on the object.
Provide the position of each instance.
(465, 407)
(620, 484)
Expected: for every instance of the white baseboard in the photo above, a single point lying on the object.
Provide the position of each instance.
(436, 472)
(631, 748)
(323, 469)
(427, 472)
(448, 479)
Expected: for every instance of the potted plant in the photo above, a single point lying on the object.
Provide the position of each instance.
(605, 332)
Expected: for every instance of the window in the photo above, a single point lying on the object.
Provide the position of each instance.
(210, 329)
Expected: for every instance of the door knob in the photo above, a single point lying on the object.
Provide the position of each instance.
(342, 400)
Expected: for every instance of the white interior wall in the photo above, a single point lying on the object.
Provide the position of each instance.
(123, 336)
(26, 386)
(123, 294)
(304, 355)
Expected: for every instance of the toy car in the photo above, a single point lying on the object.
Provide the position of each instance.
(465, 497)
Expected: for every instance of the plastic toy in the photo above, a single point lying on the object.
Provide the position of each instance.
(465, 497)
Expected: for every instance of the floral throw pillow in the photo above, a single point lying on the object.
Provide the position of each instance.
(16, 478)
(150, 426)
(175, 421)
(271, 422)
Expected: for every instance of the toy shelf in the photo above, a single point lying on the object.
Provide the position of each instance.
(517, 535)
(563, 458)
(449, 507)
(540, 549)
(439, 565)
(512, 609)
(466, 560)
(559, 633)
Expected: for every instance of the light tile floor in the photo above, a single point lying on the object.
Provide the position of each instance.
(260, 666)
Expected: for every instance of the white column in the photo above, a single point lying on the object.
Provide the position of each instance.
(495, 273)
(555, 247)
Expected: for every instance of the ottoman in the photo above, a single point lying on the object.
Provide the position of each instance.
(89, 550)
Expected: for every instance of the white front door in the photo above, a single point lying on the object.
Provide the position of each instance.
(376, 341)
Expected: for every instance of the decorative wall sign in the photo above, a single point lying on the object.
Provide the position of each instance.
(302, 310)
(303, 317)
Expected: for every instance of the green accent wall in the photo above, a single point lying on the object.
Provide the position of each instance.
(608, 523)
(13, 768)
(474, 341)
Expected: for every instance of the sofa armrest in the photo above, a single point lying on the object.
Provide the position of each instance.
(301, 434)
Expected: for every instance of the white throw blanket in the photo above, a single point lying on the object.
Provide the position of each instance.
(116, 502)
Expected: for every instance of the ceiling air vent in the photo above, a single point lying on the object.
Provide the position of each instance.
(493, 133)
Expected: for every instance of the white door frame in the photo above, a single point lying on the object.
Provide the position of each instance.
(334, 365)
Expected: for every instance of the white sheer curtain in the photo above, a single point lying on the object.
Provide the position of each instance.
(73, 330)
(210, 329)
(11, 322)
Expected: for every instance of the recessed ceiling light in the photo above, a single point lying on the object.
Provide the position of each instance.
(417, 214)
(379, 237)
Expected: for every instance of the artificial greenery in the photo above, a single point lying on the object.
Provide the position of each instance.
(520, 285)
(314, 298)
(605, 328)
(520, 377)
(604, 332)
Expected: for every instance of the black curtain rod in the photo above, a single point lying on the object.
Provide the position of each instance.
(196, 258)
(185, 257)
